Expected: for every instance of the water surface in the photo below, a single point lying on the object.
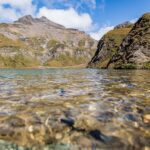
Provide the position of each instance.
(75, 108)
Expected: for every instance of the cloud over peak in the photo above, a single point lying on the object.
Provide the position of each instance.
(69, 13)
(13, 9)
(69, 18)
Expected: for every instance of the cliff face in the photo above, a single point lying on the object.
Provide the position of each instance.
(125, 47)
(134, 52)
(109, 44)
(31, 42)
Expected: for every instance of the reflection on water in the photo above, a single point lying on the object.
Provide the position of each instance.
(75, 108)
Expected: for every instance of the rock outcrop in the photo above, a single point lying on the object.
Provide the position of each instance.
(108, 45)
(32, 42)
(125, 47)
(134, 52)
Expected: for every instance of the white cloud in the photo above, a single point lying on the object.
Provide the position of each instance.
(102, 31)
(69, 18)
(17, 3)
(17, 9)
(7, 14)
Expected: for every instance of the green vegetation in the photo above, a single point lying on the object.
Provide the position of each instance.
(125, 66)
(112, 40)
(137, 38)
(117, 35)
(6, 42)
(146, 16)
(52, 43)
(18, 61)
(81, 43)
(65, 60)
(2, 25)
(146, 65)
(35, 42)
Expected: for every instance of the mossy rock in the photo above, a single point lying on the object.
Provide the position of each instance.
(146, 65)
(117, 35)
(125, 66)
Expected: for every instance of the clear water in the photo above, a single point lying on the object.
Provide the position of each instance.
(74, 108)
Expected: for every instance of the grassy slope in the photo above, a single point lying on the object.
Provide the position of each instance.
(139, 36)
(18, 60)
(114, 37)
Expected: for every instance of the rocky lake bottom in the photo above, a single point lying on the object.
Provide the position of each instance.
(71, 109)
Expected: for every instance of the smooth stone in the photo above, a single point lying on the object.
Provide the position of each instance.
(84, 141)
(34, 120)
(86, 123)
(106, 116)
(146, 118)
(30, 129)
(58, 136)
(96, 134)
(62, 92)
(131, 117)
(6, 133)
(14, 121)
(140, 111)
(127, 109)
(67, 121)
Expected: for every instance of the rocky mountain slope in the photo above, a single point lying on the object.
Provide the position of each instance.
(134, 52)
(109, 44)
(32, 42)
(125, 47)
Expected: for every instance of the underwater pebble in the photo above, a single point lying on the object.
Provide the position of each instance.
(146, 118)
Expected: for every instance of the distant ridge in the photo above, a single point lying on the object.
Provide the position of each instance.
(31, 42)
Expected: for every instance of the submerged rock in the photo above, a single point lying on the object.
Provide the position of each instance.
(146, 118)
(131, 117)
(69, 122)
(99, 136)
(86, 123)
(106, 116)
(14, 121)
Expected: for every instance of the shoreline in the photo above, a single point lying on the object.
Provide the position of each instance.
(45, 67)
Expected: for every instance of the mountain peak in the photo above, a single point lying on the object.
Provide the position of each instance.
(126, 24)
(43, 18)
(146, 16)
(51, 23)
(28, 19)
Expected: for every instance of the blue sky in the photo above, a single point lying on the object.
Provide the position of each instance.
(95, 17)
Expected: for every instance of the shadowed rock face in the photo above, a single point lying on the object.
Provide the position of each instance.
(41, 42)
(134, 51)
(125, 47)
